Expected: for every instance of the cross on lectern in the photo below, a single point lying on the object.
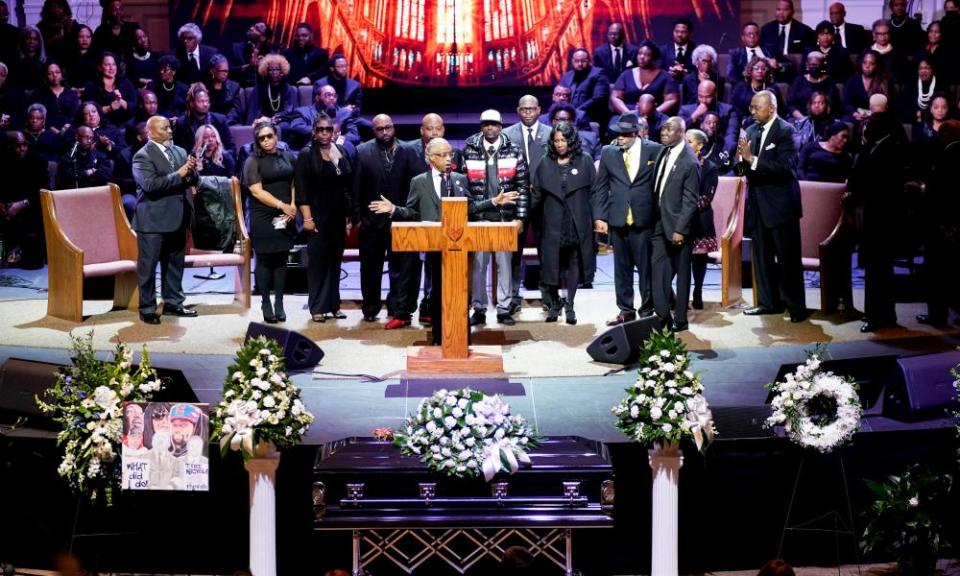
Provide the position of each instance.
(455, 239)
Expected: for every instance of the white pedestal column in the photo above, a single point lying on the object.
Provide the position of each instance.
(665, 462)
(262, 469)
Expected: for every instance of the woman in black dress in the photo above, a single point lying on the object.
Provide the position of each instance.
(561, 185)
(827, 160)
(60, 101)
(645, 78)
(171, 93)
(268, 173)
(702, 230)
(79, 58)
(757, 76)
(324, 176)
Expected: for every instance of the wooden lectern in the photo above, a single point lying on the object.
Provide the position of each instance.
(455, 238)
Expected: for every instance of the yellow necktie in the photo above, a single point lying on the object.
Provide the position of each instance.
(626, 164)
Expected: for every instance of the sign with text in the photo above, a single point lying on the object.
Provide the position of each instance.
(165, 446)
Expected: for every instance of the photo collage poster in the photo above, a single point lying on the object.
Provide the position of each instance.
(165, 446)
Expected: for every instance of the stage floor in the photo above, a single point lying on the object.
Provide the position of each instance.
(552, 380)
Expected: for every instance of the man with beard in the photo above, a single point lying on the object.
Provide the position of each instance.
(616, 55)
(307, 62)
(244, 57)
(325, 101)
(384, 169)
(562, 95)
(349, 92)
(591, 88)
(132, 437)
(84, 166)
(693, 114)
(198, 114)
(183, 426)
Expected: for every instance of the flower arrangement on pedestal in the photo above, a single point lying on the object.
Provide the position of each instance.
(87, 401)
(666, 404)
(817, 409)
(260, 404)
(464, 433)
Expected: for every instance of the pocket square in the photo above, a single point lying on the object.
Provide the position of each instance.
(770, 146)
(649, 162)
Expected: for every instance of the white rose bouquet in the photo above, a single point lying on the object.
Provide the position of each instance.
(87, 401)
(260, 404)
(465, 432)
(817, 409)
(666, 404)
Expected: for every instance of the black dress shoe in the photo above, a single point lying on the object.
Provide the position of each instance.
(761, 311)
(678, 327)
(620, 319)
(801, 316)
(369, 317)
(571, 316)
(931, 320)
(149, 318)
(179, 311)
(552, 315)
(697, 302)
(506, 320)
(644, 313)
(478, 318)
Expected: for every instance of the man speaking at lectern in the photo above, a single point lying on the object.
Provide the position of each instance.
(423, 204)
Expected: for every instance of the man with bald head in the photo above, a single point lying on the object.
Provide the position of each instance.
(707, 102)
(431, 126)
(767, 157)
(851, 36)
(165, 178)
(531, 136)
(83, 165)
(676, 187)
(384, 168)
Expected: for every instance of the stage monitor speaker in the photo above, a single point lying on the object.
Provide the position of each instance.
(921, 387)
(621, 344)
(299, 352)
(869, 372)
(21, 381)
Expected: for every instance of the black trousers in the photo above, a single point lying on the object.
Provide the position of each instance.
(325, 255)
(570, 275)
(168, 249)
(669, 261)
(631, 253)
(876, 257)
(779, 271)
(403, 270)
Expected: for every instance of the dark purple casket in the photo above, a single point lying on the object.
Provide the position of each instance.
(399, 512)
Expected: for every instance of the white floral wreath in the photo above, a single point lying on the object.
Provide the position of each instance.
(792, 407)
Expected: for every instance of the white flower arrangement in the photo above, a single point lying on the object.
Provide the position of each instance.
(87, 401)
(465, 432)
(666, 404)
(817, 409)
(260, 403)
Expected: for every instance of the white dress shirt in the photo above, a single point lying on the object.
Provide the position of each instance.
(763, 139)
(786, 37)
(672, 155)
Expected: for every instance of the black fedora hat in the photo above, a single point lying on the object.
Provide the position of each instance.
(625, 123)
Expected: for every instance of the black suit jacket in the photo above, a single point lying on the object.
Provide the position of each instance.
(603, 60)
(312, 63)
(681, 189)
(162, 200)
(188, 74)
(614, 192)
(420, 149)
(668, 55)
(738, 61)
(773, 192)
(857, 38)
(349, 91)
(801, 37)
(370, 181)
(423, 201)
(591, 94)
(729, 122)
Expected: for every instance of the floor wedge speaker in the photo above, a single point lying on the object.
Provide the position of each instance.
(621, 343)
(299, 352)
(921, 387)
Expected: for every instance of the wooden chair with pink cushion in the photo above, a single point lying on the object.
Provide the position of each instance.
(87, 236)
(728, 206)
(238, 258)
(824, 247)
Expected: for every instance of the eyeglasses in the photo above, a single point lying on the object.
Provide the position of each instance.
(323, 129)
(265, 137)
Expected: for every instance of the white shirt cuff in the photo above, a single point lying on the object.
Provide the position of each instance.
(753, 163)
